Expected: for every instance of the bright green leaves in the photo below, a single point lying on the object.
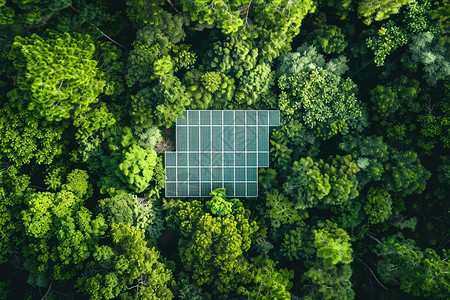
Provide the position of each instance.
(322, 101)
(283, 16)
(143, 12)
(378, 10)
(24, 138)
(71, 81)
(218, 205)
(266, 281)
(389, 38)
(213, 246)
(6, 14)
(128, 269)
(60, 232)
(281, 210)
(208, 89)
(129, 209)
(130, 163)
(224, 13)
(329, 276)
(137, 166)
(13, 188)
(319, 183)
(378, 206)
(332, 243)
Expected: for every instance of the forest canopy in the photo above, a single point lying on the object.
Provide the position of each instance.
(354, 205)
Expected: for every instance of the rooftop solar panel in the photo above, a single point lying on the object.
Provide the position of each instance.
(216, 148)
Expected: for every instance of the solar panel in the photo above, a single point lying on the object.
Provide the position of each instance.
(219, 148)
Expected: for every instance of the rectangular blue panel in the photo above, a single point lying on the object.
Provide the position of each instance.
(206, 174)
(217, 139)
(205, 138)
(182, 159)
(182, 138)
(205, 117)
(251, 117)
(239, 174)
(263, 138)
(240, 138)
(274, 117)
(263, 117)
(217, 174)
(252, 189)
(216, 117)
(194, 189)
(193, 117)
(263, 159)
(239, 118)
(194, 159)
(252, 174)
(194, 174)
(171, 159)
(217, 159)
(239, 159)
(251, 138)
(252, 159)
(182, 189)
(228, 117)
(171, 189)
(228, 138)
(239, 189)
(205, 159)
(228, 159)
(228, 174)
(171, 174)
(182, 174)
(194, 138)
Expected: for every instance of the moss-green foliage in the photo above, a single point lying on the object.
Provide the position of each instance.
(215, 238)
(378, 10)
(71, 83)
(24, 137)
(319, 184)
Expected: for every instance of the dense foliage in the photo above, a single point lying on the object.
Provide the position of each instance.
(355, 204)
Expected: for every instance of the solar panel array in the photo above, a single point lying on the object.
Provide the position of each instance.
(219, 148)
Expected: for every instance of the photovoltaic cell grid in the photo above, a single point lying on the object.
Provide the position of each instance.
(219, 148)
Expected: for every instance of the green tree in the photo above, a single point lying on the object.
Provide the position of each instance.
(281, 210)
(72, 79)
(13, 189)
(24, 138)
(214, 239)
(329, 275)
(389, 37)
(421, 273)
(60, 232)
(266, 281)
(279, 15)
(322, 101)
(378, 206)
(321, 184)
(143, 12)
(426, 49)
(129, 269)
(378, 10)
(128, 209)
